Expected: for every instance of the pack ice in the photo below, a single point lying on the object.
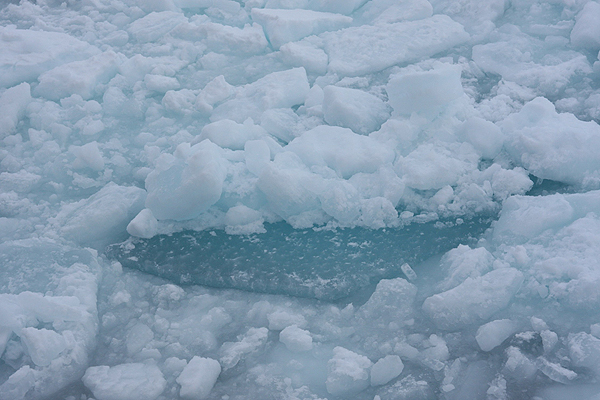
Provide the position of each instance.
(299, 199)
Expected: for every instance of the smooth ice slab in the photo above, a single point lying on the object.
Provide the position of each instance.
(322, 264)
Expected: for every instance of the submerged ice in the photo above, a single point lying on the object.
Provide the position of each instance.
(299, 199)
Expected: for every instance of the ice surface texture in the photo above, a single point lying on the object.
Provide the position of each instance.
(290, 199)
(325, 265)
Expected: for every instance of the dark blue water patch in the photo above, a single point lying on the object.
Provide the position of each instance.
(322, 264)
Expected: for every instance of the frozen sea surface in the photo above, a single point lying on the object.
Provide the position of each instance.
(299, 199)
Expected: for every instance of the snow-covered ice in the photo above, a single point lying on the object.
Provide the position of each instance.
(299, 199)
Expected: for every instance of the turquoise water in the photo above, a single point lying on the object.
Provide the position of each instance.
(322, 264)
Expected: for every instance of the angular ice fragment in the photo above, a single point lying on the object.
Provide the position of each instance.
(79, 77)
(184, 187)
(102, 217)
(355, 109)
(229, 134)
(586, 32)
(42, 345)
(13, 103)
(87, 156)
(322, 264)
(492, 334)
(161, 83)
(137, 338)
(474, 300)
(155, 25)
(367, 49)
(198, 378)
(410, 273)
(296, 339)
(347, 372)
(251, 342)
(144, 225)
(524, 218)
(281, 89)
(425, 91)
(133, 381)
(584, 350)
(552, 146)
(36, 51)
(435, 165)
(342, 150)
(283, 26)
(392, 301)
(485, 136)
(390, 11)
(386, 369)
(555, 371)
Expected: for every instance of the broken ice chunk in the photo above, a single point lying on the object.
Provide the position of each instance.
(492, 334)
(386, 369)
(474, 300)
(133, 381)
(198, 378)
(348, 372)
(296, 339)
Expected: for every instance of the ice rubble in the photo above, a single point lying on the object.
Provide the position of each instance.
(311, 148)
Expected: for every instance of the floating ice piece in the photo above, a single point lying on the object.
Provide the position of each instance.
(368, 49)
(525, 217)
(512, 59)
(87, 156)
(474, 300)
(198, 378)
(340, 149)
(584, 350)
(283, 259)
(296, 339)
(392, 300)
(485, 136)
(161, 83)
(144, 225)
(283, 26)
(104, 216)
(586, 32)
(463, 262)
(42, 345)
(306, 54)
(386, 369)
(492, 334)
(282, 89)
(555, 371)
(251, 342)
(79, 77)
(155, 25)
(391, 11)
(134, 381)
(552, 146)
(410, 273)
(347, 372)
(229, 134)
(13, 103)
(355, 109)
(36, 52)
(229, 39)
(185, 186)
(435, 165)
(424, 91)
